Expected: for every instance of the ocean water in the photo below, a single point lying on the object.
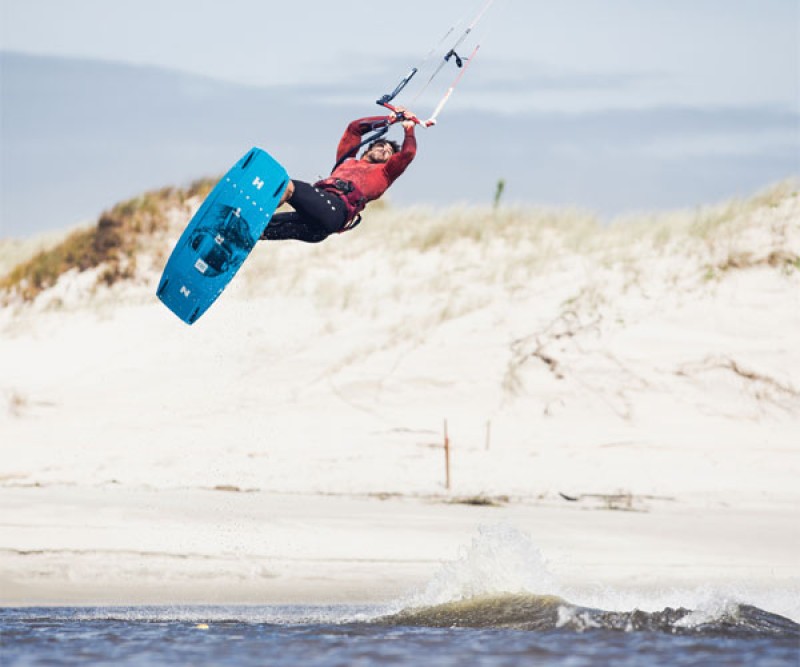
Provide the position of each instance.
(330, 636)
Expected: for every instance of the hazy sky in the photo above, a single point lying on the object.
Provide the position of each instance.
(615, 105)
(570, 55)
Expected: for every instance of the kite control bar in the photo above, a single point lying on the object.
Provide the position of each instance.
(401, 115)
(462, 62)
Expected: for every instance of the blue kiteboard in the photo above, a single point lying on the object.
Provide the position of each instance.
(221, 235)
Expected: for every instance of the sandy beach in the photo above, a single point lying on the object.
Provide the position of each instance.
(146, 546)
(622, 404)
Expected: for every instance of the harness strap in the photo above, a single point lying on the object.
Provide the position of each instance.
(354, 200)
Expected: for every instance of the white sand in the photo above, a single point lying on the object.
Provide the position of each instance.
(650, 372)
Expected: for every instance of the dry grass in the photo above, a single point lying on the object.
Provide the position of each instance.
(397, 255)
(427, 266)
(17, 403)
(112, 243)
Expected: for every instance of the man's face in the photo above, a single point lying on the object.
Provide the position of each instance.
(380, 152)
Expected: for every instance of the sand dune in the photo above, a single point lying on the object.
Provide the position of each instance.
(648, 368)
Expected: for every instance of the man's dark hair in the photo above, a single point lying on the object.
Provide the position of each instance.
(395, 146)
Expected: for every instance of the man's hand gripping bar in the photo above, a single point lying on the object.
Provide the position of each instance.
(401, 115)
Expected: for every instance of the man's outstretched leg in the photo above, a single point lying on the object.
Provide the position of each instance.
(292, 225)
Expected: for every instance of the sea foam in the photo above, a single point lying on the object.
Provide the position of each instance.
(500, 559)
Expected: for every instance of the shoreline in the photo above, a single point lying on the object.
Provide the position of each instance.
(123, 546)
(631, 390)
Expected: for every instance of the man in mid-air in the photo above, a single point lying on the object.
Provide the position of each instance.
(333, 204)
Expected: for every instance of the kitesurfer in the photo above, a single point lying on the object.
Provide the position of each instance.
(334, 204)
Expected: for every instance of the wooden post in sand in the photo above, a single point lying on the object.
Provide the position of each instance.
(446, 458)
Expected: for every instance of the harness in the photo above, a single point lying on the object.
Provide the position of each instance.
(354, 200)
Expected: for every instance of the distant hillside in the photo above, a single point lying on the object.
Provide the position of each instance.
(79, 135)
(109, 131)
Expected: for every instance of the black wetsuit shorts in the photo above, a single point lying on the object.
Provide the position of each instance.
(317, 214)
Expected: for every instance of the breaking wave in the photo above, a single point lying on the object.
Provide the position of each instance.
(499, 559)
(548, 612)
(501, 581)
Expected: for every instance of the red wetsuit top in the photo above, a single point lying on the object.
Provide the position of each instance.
(372, 179)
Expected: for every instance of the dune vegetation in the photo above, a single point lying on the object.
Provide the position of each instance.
(498, 245)
(111, 244)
